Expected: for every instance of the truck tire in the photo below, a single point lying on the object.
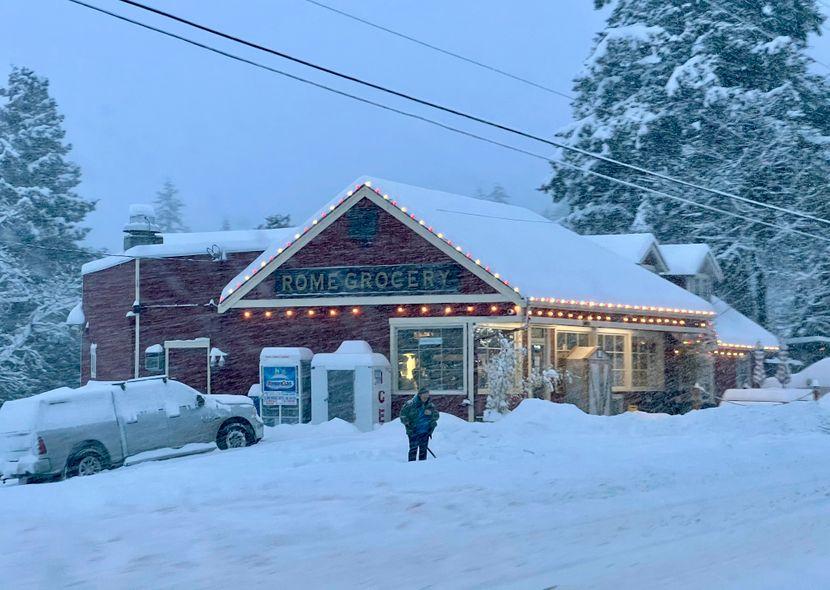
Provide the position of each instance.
(234, 435)
(87, 461)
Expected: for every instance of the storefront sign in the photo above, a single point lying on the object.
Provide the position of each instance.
(279, 386)
(391, 279)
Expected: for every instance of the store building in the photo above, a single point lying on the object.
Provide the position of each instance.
(694, 267)
(425, 277)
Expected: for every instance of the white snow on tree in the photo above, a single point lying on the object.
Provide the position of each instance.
(496, 194)
(169, 206)
(501, 379)
(758, 373)
(276, 221)
(721, 94)
(40, 235)
(783, 371)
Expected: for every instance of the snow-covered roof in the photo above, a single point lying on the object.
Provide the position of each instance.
(76, 316)
(816, 374)
(536, 257)
(764, 395)
(633, 247)
(689, 259)
(735, 329)
(194, 243)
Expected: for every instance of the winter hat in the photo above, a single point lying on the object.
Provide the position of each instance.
(423, 390)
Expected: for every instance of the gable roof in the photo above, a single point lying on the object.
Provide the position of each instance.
(514, 246)
(735, 329)
(633, 247)
(193, 244)
(690, 259)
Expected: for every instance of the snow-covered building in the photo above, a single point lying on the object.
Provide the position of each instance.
(694, 267)
(424, 276)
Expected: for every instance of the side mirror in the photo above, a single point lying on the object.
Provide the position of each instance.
(200, 401)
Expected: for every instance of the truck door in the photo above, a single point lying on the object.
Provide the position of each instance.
(141, 412)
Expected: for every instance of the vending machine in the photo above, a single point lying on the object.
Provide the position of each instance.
(285, 385)
(353, 384)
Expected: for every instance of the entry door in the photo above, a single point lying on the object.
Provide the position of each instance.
(341, 395)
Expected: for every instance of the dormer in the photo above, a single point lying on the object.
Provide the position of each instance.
(693, 267)
(639, 248)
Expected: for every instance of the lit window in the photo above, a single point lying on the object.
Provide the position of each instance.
(614, 346)
(565, 343)
(647, 361)
(430, 357)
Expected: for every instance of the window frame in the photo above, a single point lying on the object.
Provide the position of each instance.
(426, 324)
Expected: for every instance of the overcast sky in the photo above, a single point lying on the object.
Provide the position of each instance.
(241, 143)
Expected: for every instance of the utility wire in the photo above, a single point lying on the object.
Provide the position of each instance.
(441, 125)
(450, 110)
(441, 49)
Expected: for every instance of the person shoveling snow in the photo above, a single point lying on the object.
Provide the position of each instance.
(420, 417)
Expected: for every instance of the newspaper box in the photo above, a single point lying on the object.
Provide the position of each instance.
(285, 385)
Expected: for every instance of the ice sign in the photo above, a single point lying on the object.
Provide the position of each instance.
(279, 386)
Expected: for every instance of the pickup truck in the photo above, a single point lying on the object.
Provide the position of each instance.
(67, 432)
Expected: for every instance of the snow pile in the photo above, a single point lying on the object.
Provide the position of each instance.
(548, 496)
(816, 374)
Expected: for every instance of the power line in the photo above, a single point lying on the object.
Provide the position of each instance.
(469, 60)
(439, 124)
(453, 111)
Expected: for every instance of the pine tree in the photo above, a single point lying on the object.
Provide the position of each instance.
(169, 208)
(40, 235)
(501, 372)
(226, 224)
(497, 194)
(717, 93)
(276, 221)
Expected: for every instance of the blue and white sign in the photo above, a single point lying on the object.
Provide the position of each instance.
(279, 386)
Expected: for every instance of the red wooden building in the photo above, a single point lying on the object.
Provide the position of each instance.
(425, 277)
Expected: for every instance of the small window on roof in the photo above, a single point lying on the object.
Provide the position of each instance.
(154, 358)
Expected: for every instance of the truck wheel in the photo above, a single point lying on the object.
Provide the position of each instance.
(234, 435)
(85, 462)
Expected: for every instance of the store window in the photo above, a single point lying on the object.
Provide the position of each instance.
(565, 343)
(430, 357)
(614, 346)
(647, 361)
(487, 346)
(539, 349)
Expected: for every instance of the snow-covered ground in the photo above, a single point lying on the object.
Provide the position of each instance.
(726, 498)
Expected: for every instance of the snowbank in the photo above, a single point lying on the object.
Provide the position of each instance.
(816, 374)
(730, 497)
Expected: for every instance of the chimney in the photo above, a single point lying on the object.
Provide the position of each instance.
(142, 228)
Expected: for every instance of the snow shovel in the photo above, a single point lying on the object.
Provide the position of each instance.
(431, 453)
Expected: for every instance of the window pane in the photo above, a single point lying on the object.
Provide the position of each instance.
(430, 357)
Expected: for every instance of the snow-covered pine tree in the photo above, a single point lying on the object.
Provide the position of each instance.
(169, 206)
(501, 379)
(40, 235)
(276, 221)
(716, 92)
(783, 371)
(759, 373)
(496, 194)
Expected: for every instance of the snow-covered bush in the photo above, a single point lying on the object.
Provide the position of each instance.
(502, 382)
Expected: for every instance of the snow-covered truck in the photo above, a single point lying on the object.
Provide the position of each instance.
(67, 432)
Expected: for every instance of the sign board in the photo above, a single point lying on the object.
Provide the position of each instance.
(279, 386)
(389, 279)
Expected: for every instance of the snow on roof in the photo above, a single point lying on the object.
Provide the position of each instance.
(194, 243)
(734, 328)
(633, 247)
(764, 395)
(688, 259)
(76, 316)
(816, 374)
(540, 257)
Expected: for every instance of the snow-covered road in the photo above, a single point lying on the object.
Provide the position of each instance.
(726, 498)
